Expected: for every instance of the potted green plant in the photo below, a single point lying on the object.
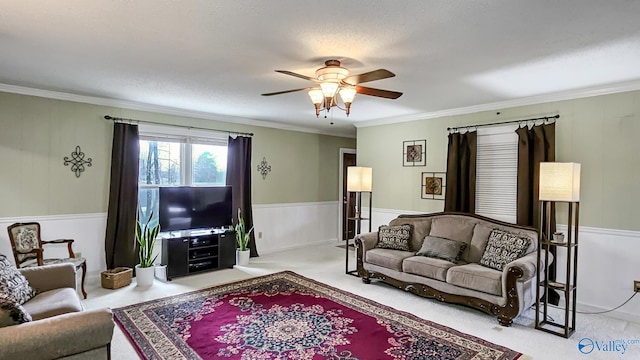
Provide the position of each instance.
(242, 238)
(146, 238)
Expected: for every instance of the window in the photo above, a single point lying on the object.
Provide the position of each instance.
(497, 173)
(209, 164)
(170, 160)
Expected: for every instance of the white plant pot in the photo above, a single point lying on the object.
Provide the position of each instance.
(242, 257)
(145, 276)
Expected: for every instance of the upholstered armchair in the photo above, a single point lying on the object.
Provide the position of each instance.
(58, 326)
(28, 249)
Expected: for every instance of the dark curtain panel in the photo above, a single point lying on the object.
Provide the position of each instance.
(120, 243)
(460, 194)
(535, 145)
(239, 177)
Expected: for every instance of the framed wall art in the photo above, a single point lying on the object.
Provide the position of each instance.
(414, 153)
(434, 185)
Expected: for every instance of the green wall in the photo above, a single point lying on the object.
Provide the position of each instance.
(598, 132)
(37, 133)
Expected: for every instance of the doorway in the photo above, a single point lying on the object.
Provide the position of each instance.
(347, 228)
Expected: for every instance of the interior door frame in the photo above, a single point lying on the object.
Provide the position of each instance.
(340, 190)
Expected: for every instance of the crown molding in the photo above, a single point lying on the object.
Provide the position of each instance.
(132, 105)
(532, 100)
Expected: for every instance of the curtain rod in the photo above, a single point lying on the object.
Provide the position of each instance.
(454, 129)
(117, 119)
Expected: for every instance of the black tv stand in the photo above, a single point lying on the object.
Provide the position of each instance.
(188, 252)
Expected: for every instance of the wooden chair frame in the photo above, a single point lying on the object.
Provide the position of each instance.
(40, 250)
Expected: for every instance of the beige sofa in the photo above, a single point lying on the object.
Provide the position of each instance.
(60, 329)
(504, 294)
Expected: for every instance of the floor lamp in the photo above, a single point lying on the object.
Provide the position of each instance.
(559, 182)
(359, 180)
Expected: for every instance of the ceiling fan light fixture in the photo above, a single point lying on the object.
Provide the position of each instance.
(332, 73)
(347, 94)
(329, 88)
(330, 81)
(317, 98)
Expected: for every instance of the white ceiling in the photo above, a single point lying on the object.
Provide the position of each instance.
(215, 58)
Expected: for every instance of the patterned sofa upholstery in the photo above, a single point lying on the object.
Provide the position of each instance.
(59, 327)
(473, 278)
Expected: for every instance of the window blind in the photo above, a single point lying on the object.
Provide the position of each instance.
(497, 172)
(182, 135)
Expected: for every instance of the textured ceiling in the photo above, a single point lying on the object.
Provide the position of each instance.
(217, 57)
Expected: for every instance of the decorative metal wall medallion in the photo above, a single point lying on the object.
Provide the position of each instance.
(264, 168)
(77, 161)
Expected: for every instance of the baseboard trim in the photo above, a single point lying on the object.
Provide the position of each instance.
(616, 314)
(299, 246)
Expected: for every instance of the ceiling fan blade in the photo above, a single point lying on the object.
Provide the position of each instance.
(378, 92)
(369, 76)
(285, 91)
(286, 72)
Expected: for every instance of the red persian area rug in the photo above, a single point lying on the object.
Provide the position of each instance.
(286, 316)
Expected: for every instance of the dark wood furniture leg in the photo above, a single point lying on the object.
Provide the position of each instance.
(84, 274)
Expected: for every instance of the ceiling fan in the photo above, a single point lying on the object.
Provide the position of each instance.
(333, 79)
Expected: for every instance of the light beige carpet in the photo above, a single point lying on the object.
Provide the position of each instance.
(326, 264)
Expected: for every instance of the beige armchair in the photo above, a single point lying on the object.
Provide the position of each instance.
(61, 328)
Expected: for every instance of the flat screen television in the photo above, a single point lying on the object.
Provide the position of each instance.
(191, 207)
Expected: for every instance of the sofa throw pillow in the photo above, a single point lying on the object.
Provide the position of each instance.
(441, 248)
(502, 248)
(395, 237)
(12, 313)
(13, 285)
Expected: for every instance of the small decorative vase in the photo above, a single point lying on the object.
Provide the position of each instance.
(144, 276)
(242, 257)
(558, 237)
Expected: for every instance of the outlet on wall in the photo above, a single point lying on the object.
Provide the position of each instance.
(259, 234)
(636, 285)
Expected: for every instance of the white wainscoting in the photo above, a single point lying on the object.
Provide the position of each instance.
(88, 231)
(607, 265)
(283, 226)
(294, 225)
(384, 216)
(607, 258)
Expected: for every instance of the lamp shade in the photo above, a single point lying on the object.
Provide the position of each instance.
(329, 88)
(359, 178)
(347, 94)
(316, 96)
(559, 181)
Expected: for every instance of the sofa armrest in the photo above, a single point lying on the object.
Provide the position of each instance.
(368, 241)
(527, 263)
(49, 277)
(57, 336)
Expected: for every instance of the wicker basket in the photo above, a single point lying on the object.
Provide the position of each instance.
(116, 278)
